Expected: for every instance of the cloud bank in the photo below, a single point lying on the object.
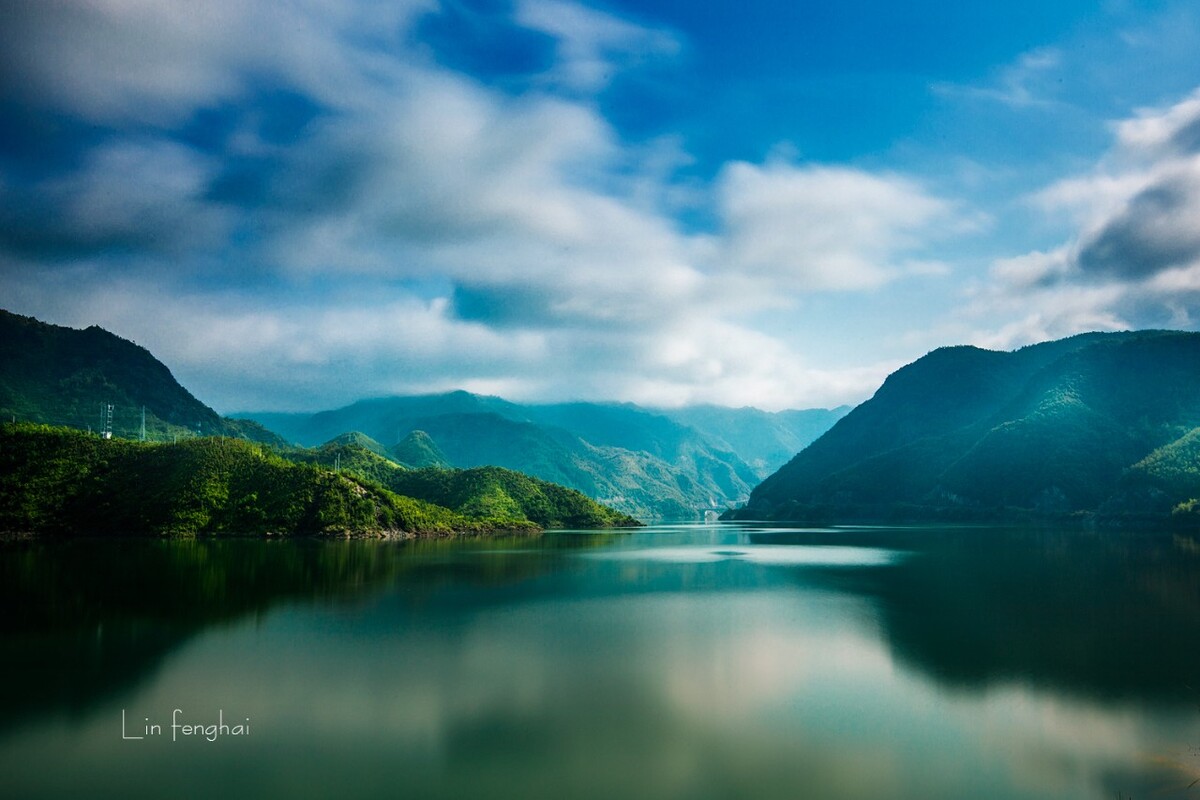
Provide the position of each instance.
(300, 204)
(1135, 260)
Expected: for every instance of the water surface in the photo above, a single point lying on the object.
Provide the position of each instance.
(690, 661)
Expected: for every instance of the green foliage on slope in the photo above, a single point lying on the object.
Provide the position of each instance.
(61, 481)
(502, 497)
(353, 453)
(418, 450)
(493, 491)
(639, 461)
(1174, 468)
(1097, 423)
(63, 376)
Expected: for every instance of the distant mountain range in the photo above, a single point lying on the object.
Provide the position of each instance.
(644, 462)
(1099, 424)
(652, 463)
(198, 475)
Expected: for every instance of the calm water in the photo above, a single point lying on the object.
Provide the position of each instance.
(726, 661)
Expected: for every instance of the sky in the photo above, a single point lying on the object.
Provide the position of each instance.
(298, 204)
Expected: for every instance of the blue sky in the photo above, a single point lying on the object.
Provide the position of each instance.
(299, 204)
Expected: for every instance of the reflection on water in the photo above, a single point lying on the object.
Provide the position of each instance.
(687, 661)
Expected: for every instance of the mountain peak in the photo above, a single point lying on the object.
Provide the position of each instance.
(981, 430)
(66, 376)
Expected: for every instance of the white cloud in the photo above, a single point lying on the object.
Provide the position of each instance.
(1032, 269)
(1149, 219)
(592, 47)
(1048, 314)
(114, 61)
(1020, 84)
(821, 228)
(146, 61)
(558, 266)
(1155, 132)
(1134, 260)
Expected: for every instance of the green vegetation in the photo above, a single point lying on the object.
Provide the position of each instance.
(498, 492)
(60, 481)
(664, 464)
(63, 376)
(499, 495)
(418, 450)
(1098, 426)
(352, 453)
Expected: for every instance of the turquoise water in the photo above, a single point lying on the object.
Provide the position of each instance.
(684, 661)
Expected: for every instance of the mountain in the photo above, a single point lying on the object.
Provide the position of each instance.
(1102, 423)
(494, 492)
(64, 376)
(641, 461)
(766, 440)
(58, 479)
(419, 450)
(501, 498)
(64, 481)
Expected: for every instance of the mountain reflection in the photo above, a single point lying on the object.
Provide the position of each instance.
(1100, 615)
(86, 619)
(1103, 614)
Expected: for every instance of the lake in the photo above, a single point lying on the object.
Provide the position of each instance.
(688, 661)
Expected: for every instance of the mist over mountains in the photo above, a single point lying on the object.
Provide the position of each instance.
(648, 462)
(1103, 424)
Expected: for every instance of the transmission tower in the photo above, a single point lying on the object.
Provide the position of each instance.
(106, 415)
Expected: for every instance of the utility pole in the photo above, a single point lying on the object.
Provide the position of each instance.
(337, 463)
(143, 438)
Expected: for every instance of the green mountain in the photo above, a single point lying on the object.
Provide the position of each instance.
(63, 376)
(646, 463)
(1094, 423)
(59, 479)
(491, 492)
(418, 450)
(358, 439)
(497, 495)
(63, 481)
(633, 481)
(483, 493)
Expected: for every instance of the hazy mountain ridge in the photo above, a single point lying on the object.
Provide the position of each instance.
(765, 440)
(1093, 423)
(58, 479)
(492, 495)
(646, 462)
(669, 464)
